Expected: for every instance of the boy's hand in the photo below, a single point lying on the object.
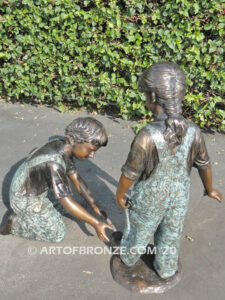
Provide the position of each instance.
(100, 230)
(99, 211)
(215, 194)
(122, 202)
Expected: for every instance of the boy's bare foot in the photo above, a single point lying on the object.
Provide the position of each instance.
(6, 229)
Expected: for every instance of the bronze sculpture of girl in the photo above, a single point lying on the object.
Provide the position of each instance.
(159, 164)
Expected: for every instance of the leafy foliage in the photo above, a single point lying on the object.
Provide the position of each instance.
(92, 52)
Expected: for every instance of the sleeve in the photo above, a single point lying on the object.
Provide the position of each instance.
(60, 183)
(70, 165)
(137, 157)
(201, 159)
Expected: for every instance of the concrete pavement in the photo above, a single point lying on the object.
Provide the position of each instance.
(33, 270)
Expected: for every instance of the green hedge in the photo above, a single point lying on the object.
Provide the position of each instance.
(92, 52)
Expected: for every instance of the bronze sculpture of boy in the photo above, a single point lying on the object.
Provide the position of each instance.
(50, 167)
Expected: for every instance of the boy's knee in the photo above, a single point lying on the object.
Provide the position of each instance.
(58, 239)
(58, 234)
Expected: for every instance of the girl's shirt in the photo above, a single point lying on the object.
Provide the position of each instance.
(143, 156)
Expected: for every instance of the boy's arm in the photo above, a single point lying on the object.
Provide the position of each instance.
(85, 192)
(206, 177)
(79, 212)
(124, 184)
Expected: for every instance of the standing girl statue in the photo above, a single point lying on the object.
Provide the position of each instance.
(159, 164)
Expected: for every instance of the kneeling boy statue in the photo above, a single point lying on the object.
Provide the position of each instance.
(49, 168)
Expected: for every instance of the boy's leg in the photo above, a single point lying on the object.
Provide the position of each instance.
(38, 219)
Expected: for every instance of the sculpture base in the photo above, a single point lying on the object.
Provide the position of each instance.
(142, 278)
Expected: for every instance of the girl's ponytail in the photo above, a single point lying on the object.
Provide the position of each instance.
(167, 81)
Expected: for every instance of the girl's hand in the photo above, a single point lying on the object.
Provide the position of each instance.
(122, 202)
(215, 194)
(100, 230)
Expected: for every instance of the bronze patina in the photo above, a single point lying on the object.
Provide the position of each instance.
(35, 215)
(158, 166)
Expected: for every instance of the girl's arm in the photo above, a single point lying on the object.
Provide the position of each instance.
(79, 212)
(85, 192)
(123, 186)
(206, 177)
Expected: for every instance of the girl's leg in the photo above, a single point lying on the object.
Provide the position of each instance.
(136, 237)
(167, 242)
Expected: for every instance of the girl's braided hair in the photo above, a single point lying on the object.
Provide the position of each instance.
(167, 81)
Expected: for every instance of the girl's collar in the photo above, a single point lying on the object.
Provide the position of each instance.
(161, 117)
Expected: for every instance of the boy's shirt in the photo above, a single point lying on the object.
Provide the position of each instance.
(143, 156)
(48, 167)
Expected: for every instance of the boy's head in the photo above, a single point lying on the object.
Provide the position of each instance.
(86, 135)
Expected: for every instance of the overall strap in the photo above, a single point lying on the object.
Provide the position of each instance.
(160, 143)
(163, 147)
(188, 140)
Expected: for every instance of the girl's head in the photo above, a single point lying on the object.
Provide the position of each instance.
(86, 136)
(164, 85)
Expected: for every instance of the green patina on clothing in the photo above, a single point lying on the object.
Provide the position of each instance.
(37, 216)
(158, 206)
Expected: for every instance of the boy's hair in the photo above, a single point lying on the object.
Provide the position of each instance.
(86, 130)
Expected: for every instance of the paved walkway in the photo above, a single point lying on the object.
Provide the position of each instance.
(34, 270)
